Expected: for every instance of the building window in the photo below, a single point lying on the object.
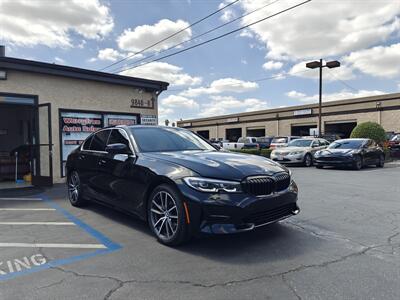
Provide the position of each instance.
(76, 126)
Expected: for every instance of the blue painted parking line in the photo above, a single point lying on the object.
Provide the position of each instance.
(110, 246)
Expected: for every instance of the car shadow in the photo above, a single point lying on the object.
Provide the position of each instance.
(269, 243)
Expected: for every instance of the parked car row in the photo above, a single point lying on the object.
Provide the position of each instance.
(355, 153)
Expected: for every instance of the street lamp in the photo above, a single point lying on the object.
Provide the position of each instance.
(318, 64)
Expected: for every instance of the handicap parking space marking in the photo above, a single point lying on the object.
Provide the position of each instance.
(12, 268)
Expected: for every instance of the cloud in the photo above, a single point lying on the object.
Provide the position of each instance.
(380, 61)
(221, 105)
(342, 95)
(344, 72)
(179, 102)
(272, 65)
(164, 112)
(220, 86)
(165, 72)
(51, 23)
(295, 94)
(109, 54)
(323, 28)
(228, 13)
(59, 60)
(143, 36)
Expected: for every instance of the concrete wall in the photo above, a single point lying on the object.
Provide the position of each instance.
(390, 120)
(69, 93)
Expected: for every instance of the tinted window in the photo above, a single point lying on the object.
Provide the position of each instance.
(86, 144)
(118, 137)
(316, 143)
(346, 144)
(156, 139)
(300, 143)
(280, 140)
(99, 140)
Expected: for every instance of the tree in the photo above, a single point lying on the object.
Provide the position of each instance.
(166, 122)
(370, 130)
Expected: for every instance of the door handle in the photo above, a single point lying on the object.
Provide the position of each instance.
(102, 162)
(80, 157)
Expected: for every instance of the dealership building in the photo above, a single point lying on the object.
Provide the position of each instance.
(338, 117)
(47, 110)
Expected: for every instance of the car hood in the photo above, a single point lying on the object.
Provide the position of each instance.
(291, 149)
(223, 165)
(335, 152)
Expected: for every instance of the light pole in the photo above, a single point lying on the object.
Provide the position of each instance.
(318, 64)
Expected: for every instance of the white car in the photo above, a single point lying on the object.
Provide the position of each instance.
(243, 142)
(299, 151)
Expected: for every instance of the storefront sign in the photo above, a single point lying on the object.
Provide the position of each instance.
(142, 103)
(115, 122)
(74, 124)
(231, 120)
(148, 120)
(73, 142)
(302, 112)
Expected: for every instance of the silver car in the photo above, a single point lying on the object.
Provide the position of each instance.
(299, 151)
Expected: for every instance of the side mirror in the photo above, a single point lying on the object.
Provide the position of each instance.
(118, 149)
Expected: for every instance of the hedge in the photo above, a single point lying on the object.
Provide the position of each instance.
(370, 130)
(262, 152)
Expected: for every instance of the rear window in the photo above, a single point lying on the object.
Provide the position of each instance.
(280, 140)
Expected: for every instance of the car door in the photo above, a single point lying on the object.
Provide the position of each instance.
(369, 152)
(315, 146)
(119, 171)
(84, 164)
(95, 181)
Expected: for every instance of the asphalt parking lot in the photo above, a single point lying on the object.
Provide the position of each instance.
(345, 244)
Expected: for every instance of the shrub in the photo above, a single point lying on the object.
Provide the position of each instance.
(370, 130)
(262, 152)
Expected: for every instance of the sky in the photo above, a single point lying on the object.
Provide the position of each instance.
(260, 67)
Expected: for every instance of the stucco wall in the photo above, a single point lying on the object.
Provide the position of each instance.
(69, 93)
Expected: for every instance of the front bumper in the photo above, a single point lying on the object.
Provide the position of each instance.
(225, 213)
(334, 161)
(288, 159)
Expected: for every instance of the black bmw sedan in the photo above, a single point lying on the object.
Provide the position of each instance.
(355, 153)
(178, 182)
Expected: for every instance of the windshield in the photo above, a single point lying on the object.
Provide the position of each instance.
(280, 140)
(300, 143)
(346, 144)
(156, 139)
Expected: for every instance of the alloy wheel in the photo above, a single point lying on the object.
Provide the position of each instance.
(73, 187)
(164, 215)
(308, 160)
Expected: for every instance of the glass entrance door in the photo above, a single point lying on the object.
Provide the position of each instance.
(42, 162)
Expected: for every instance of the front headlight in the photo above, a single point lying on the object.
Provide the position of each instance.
(209, 185)
(295, 152)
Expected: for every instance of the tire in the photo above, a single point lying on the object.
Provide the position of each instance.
(75, 190)
(308, 160)
(358, 163)
(167, 216)
(381, 162)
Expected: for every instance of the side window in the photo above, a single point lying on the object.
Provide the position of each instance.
(86, 144)
(99, 140)
(118, 137)
(371, 144)
(316, 143)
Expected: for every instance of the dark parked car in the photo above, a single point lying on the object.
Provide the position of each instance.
(264, 142)
(178, 182)
(355, 153)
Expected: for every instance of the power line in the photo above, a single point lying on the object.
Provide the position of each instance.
(343, 82)
(255, 80)
(197, 36)
(170, 36)
(220, 36)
